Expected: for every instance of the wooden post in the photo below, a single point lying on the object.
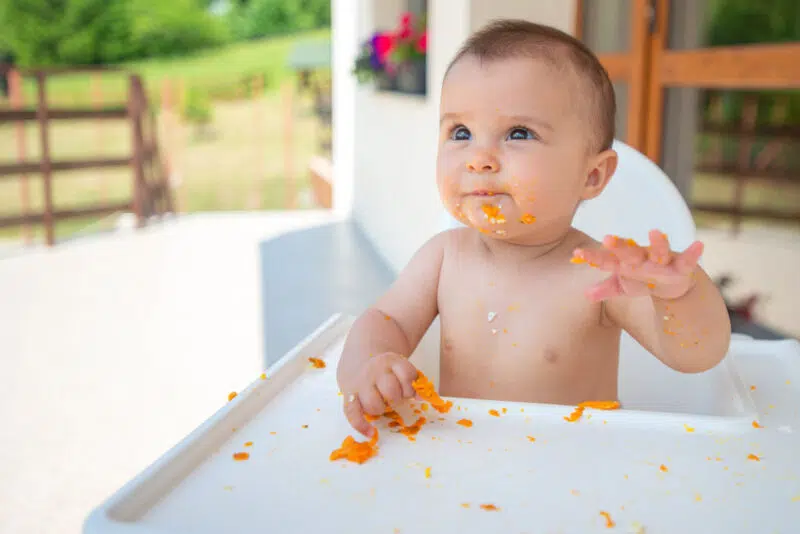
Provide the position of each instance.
(18, 102)
(258, 142)
(748, 125)
(135, 111)
(288, 148)
(45, 165)
(97, 103)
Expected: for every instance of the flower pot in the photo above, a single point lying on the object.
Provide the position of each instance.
(385, 81)
(411, 77)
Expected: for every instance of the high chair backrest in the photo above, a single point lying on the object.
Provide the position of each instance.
(639, 198)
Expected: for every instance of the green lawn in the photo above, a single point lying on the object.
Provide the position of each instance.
(237, 165)
(221, 69)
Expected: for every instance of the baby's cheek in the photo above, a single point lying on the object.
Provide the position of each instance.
(523, 190)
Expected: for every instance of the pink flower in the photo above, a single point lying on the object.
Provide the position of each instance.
(405, 26)
(383, 45)
(422, 43)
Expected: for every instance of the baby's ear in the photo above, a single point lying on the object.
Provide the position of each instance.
(599, 171)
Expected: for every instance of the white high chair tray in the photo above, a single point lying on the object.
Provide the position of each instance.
(560, 483)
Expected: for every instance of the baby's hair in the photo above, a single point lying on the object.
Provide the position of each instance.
(502, 39)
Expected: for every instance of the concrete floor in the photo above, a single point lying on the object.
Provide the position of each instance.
(113, 349)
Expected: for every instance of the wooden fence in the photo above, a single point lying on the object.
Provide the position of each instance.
(151, 193)
(757, 146)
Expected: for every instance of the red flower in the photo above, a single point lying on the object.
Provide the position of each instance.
(405, 26)
(383, 45)
(422, 43)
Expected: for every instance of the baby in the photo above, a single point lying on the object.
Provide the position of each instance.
(531, 309)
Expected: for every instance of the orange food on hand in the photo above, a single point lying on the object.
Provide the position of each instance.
(356, 451)
(317, 363)
(241, 456)
(464, 422)
(424, 389)
(527, 218)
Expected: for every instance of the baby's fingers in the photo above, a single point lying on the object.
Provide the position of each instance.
(390, 389)
(659, 248)
(687, 260)
(595, 257)
(355, 416)
(627, 251)
(406, 373)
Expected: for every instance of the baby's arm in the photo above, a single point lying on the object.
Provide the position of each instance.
(690, 333)
(664, 300)
(373, 369)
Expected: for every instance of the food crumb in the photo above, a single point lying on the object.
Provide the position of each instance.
(531, 439)
(464, 505)
(228, 488)
(232, 395)
(489, 507)
(698, 497)
(425, 406)
(427, 472)
(263, 376)
(248, 444)
(494, 413)
(464, 422)
(752, 388)
(688, 428)
(505, 410)
(636, 528)
(609, 522)
(756, 424)
(753, 457)
(663, 468)
(273, 433)
(241, 456)
(575, 492)
(317, 363)
(305, 426)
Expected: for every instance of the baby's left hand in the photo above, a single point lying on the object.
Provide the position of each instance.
(637, 271)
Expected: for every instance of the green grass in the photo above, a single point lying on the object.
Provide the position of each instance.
(232, 66)
(239, 166)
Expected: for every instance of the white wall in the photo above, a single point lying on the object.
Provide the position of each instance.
(394, 183)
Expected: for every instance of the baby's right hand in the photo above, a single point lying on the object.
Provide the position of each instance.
(384, 380)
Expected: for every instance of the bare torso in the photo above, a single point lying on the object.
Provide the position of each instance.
(545, 342)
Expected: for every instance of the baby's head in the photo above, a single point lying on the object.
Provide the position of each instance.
(526, 126)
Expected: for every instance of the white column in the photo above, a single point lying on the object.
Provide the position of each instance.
(344, 37)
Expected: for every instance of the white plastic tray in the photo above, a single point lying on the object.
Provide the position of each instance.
(559, 483)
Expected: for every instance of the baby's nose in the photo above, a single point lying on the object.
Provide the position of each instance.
(483, 162)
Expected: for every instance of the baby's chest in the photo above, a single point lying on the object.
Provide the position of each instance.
(548, 319)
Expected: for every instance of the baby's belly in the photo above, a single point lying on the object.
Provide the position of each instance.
(533, 373)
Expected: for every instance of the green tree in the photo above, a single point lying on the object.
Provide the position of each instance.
(260, 18)
(52, 32)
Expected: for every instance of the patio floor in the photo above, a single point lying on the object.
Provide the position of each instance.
(112, 350)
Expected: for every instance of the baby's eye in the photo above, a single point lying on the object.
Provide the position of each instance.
(460, 133)
(520, 133)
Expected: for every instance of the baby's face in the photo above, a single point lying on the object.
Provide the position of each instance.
(513, 148)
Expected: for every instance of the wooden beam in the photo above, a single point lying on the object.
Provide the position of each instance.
(45, 164)
(760, 213)
(34, 218)
(16, 115)
(618, 66)
(655, 96)
(8, 170)
(769, 66)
